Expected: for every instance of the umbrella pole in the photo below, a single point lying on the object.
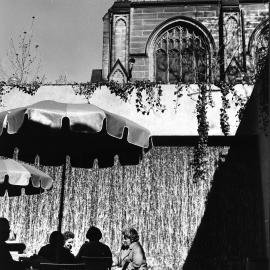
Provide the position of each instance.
(62, 194)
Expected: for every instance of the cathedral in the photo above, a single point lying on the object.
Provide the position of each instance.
(186, 41)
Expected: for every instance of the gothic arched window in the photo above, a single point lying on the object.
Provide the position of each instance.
(181, 54)
(120, 40)
(258, 47)
(261, 49)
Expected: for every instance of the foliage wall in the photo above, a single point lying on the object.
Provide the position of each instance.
(158, 197)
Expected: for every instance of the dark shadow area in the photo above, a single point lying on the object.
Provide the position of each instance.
(232, 228)
(53, 145)
(193, 140)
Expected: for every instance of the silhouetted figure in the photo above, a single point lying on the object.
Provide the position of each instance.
(55, 251)
(6, 261)
(131, 63)
(131, 255)
(99, 255)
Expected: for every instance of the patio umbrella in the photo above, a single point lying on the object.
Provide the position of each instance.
(14, 176)
(84, 132)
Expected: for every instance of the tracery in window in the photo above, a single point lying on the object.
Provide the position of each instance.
(261, 49)
(258, 48)
(181, 54)
(161, 65)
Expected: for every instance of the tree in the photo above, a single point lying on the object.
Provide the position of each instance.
(62, 79)
(24, 62)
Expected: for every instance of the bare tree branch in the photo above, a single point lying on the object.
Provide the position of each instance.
(24, 59)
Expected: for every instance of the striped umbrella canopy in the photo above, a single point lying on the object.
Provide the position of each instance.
(84, 132)
(15, 176)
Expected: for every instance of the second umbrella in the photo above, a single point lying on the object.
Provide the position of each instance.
(15, 176)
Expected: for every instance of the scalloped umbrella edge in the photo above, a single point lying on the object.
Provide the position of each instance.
(83, 119)
(16, 175)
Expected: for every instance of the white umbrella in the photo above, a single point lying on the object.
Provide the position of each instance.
(84, 132)
(14, 176)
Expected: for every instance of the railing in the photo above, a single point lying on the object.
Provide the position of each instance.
(58, 266)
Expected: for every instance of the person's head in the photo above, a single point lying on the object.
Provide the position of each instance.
(94, 234)
(56, 239)
(130, 235)
(4, 229)
(68, 240)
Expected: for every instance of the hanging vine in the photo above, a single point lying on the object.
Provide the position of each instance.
(85, 89)
(152, 91)
(210, 96)
(224, 118)
(263, 117)
(178, 94)
(27, 88)
(240, 101)
(123, 91)
(200, 155)
(30, 88)
(148, 97)
(3, 90)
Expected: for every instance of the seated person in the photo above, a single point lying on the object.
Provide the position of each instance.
(68, 240)
(99, 255)
(6, 260)
(55, 251)
(131, 256)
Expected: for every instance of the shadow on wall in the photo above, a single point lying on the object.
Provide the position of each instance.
(232, 228)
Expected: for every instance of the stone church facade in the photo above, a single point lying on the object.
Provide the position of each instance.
(190, 41)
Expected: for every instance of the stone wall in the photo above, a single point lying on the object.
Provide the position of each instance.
(254, 14)
(254, 17)
(106, 46)
(146, 18)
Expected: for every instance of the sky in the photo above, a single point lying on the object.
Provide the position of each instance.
(68, 32)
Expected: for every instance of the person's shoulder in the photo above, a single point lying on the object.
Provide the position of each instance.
(136, 246)
(104, 249)
(85, 245)
(45, 247)
(65, 250)
(68, 254)
(104, 246)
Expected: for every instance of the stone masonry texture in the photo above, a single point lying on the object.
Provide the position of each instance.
(147, 16)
